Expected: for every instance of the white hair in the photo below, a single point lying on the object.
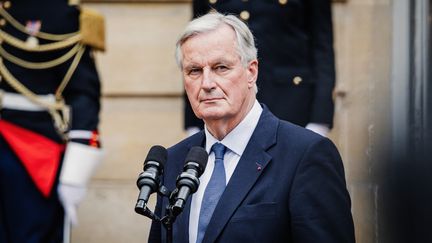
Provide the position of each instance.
(211, 21)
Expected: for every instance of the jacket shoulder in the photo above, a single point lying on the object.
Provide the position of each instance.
(298, 137)
(194, 140)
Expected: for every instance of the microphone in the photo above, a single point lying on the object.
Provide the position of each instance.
(187, 181)
(148, 180)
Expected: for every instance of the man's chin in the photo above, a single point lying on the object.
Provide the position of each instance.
(211, 114)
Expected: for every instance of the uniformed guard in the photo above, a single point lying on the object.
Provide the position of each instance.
(49, 109)
(295, 51)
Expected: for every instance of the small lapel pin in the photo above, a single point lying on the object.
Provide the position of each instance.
(259, 167)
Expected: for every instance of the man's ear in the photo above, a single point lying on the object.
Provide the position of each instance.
(252, 70)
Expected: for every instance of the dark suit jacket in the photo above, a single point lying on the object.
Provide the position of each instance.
(294, 40)
(288, 186)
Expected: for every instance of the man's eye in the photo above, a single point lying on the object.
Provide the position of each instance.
(194, 71)
(221, 68)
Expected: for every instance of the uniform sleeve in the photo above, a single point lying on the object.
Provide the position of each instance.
(83, 96)
(83, 154)
(320, 205)
(320, 20)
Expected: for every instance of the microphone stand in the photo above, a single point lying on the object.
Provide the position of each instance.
(168, 222)
(171, 215)
(171, 212)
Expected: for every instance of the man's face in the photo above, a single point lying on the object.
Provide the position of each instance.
(217, 84)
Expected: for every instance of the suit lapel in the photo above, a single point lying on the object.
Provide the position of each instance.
(252, 163)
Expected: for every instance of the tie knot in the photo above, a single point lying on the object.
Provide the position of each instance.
(219, 150)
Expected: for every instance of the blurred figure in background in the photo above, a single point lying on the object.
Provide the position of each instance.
(295, 51)
(406, 196)
(49, 108)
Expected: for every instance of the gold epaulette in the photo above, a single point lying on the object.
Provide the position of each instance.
(92, 28)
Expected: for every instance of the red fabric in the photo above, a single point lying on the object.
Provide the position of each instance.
(39, 155)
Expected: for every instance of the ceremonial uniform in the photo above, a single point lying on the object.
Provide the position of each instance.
(49, 107)
(295, 52)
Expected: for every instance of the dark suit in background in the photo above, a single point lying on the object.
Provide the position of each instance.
(298, 195)
(295, 51)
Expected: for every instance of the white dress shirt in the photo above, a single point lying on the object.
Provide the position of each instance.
(235, 142)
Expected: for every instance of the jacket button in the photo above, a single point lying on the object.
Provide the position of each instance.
(2, 22)
(297, 80)
(212, 1)
(7, 4)
(244, 15)
(283, 2)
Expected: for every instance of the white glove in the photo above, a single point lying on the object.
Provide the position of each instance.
(79, 163)
(320, 128)
(192, 130)
(70, 196)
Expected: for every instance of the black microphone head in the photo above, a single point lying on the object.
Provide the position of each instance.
(198, 155)
(157, 153)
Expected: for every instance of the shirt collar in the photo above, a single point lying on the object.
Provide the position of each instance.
(238, 138)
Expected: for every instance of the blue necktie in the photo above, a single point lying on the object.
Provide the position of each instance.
(213, 191)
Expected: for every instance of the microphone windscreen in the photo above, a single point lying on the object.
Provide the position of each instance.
(157, 153)
(199, 155)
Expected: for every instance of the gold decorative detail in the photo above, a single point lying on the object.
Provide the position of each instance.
(7, 4)
(283, 2)
(59, 111)
(90, 24)
(92, 28)
(74, 2)
(32, 42)
(297, 80)
(2, 22)
(244, 15)
(39, 48)
(18, 86)
(40, 65)
(212, 1)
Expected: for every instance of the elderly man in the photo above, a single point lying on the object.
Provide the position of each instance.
(266, 180)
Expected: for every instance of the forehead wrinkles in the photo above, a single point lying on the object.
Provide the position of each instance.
(200, 61)
(222, 41)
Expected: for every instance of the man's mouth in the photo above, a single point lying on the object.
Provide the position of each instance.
(209, 100)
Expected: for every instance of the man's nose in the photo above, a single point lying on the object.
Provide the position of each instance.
(208, 80)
